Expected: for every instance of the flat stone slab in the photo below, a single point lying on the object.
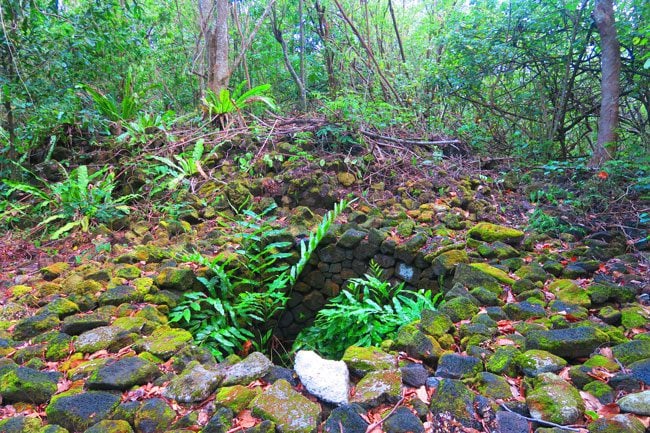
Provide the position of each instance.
(194, 384)
(123, 373)
(288, 409)
(567, 343)
(253, 367)
(327, 380)
(28, 385)
(378, 387)
(77, 412)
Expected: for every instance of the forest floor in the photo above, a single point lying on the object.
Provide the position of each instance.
(587, 226)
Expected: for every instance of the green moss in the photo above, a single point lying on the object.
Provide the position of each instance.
(633, 317)
(602, 361)
(54, 270)
(164, 341)
(503, 361)
(236, 398)
(129, 272)
(497, 273)
(603, 392)
(568, 291)
(492, 232)
(19, 290)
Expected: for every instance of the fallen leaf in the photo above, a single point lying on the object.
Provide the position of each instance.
(609, 410)
(591, 402)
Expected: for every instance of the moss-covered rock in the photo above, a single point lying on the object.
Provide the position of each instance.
(417, 344)
(110, 426)
(453, 398)
(632, 351)
(34, 325)
(617, 424)
(361, 360)
(122, 374)
(534, 362)
(634, 316)
(603, 392)
(567, 343)
(456, 366)
(524, 310)
(378, 387)
(533, 272)
(493, 386)
(154, 416)
(99, 338)
(436, 323)
(460, 308)
(28, 385)
(80, 323)
(252, 367)
(20, 424)
(568, 291)
(54, 270)
(194, 384)
(119, 295)
(236, 398)
(445, 263)
(178, 279)
(288, 409)
(554, 399)
(164, 342)
(470, 277)
(497, 273)
(62, 307)
(78, 411)
(637, 403)
(129, 272)
(492, 232)
(57, 345)
(502, 361)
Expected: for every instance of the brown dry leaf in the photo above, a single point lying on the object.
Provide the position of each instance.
(609, 410)
(246, 419)
(423, 394)
(645, 420)
(591, 402)
(505, 342)
(607, 352)
(600, 373)
(203, 417)
(99, 354)
(63, 385)
(564, 374)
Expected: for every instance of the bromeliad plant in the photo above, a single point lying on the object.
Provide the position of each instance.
(246, 289)
(368, 312)
(220, 106)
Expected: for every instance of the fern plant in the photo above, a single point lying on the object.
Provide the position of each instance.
(367, 312)
(249, 288)
(80, 199)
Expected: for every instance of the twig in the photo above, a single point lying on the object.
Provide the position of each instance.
(540, 421)
(410, 141)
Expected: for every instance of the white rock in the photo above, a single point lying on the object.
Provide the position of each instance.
(325, 379)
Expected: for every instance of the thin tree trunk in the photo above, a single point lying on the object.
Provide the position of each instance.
(605, 149)
(323, 31)
(303, 80)
(399, 39)
(277, 33)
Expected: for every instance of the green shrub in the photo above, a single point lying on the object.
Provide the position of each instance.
(247, 288)
(368, 312)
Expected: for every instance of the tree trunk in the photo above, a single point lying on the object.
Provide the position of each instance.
(323, 31)
(605, 149)
(217, 47)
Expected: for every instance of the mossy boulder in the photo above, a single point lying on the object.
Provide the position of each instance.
(122, 374)
(351, 238)
(154, 416)
(247, 370)
(618, 423)
(178, 279)
(57, 345)
(456, 366)
(603, 392)
(534, 362)
(194, 384)
(99, 338)
(287, 408)
(62, 307)
(497, 273)
(533, 272)
(568, 343)
(238, 194)
(453, 398)
(347, 418)
(80, 410)
(164, 342)
(436, 323)
(524, 310)
(20, 424)
(34, 325)
(110, 426)
(378, 387)
(80, 323)
(236, 398)
(637, 403)
(417, 344)
(119, 295)
(554, 399)
(27, 385)
(54, 270)
(361, 360)
(568, 291)
(634, 316)
(493, 386)
(489, 232)
(129, 272)
(632, 351)
(470, 277)
(502, 361)
(460, 308)
(445, 263)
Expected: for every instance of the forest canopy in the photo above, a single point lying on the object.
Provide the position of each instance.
(519, 77)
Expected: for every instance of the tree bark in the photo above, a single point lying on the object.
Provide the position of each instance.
(217, 46)
(277, 33)
(605, 149)
(323, 30)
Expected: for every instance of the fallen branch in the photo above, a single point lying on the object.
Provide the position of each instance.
(410, 141)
